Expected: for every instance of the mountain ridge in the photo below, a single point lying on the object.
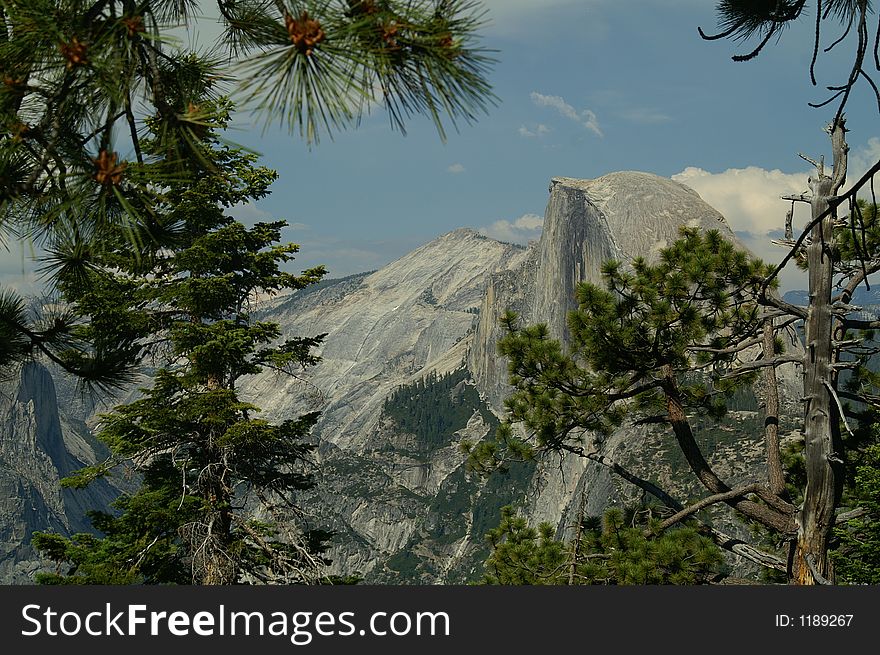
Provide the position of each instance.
(405, 509)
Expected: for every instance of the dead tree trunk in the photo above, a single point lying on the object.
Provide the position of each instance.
(822, 447)
(775, 470)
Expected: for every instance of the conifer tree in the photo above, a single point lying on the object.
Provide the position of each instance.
(857, 552)
(660, 344)
(618, 550)
(80, 79)
(208, 460)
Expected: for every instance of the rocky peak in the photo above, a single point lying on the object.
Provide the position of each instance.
(37, 449)
(618, 216)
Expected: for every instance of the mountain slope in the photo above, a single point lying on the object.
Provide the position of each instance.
(37, 449)
(407, 341)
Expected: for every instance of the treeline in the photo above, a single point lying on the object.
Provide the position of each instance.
(434, 407)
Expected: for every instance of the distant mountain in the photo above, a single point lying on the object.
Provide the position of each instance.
(863, 297)
(39, 446)
(409, 369)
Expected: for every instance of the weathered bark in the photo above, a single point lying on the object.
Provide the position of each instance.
(822, 446)
(775, 471)
(578, 536)
(215, 563)
(216, 566)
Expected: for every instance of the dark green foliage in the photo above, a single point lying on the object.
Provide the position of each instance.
(206, 457)
(433, 408)
(615, 550)
(856, 554)
(654, 325)
(91, 91)
(140, 542)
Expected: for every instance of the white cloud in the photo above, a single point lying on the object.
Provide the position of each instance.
(539, 130)
(861, 159)
(456, 169)
(584, 117)
(750, 200)
(748, 197)
(521, 230)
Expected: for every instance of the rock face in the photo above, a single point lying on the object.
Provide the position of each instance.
(619, 216)
(587, 222)
(386, 493)
(384, 329)
(37, 449)
(403, 505)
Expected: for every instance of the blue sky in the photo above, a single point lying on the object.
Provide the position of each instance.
(586, 87)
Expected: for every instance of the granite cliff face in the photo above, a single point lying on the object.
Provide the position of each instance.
(37, 449)
(587, 222)
(386, 493)
(403, 505)
(619, 216)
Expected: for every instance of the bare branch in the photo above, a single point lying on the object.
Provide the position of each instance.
(703, 504)
(832, 206)
(787, 307)
(839, 406)
(851, 515)
(763, 363)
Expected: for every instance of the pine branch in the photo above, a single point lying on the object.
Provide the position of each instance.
(708, 501)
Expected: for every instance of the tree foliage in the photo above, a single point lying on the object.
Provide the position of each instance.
(653, 325)
(662, 343)
(617, 549)
(208, 460)
(857, 551)
(434, 407)
(84, 84)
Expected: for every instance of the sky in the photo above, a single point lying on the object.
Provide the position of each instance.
(585, 88)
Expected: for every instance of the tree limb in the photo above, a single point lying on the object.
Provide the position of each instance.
(703, 504)
(721, 539)
(851, 515)
(764, 363)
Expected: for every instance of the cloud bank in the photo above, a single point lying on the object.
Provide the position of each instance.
(522, 230)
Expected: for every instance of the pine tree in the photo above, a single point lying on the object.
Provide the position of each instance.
(857, 552)
(616, 550)
(208, 460)
(80, 80)
(659, 344)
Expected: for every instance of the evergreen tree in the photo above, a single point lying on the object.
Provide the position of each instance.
(659, 344)
(80, 80)
(208, 460)
(857, 550)
(617, 550)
